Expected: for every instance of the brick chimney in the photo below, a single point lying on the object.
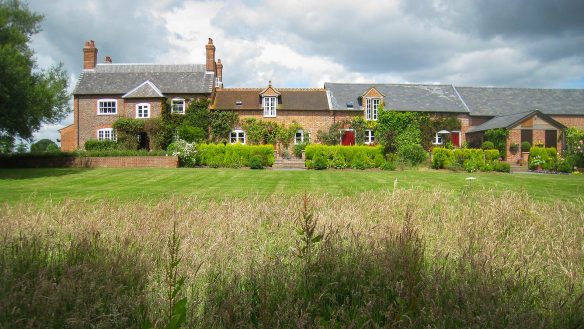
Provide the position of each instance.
(89, 55)
(219, 72)
(210, 56)
(108, 60)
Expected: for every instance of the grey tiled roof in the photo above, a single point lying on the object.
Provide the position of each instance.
(122, 78)
(511, 120)
(401, 97)
(146, 90)
(500, 101)
(306, 99)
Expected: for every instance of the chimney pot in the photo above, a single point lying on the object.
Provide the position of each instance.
(210, 52)
(89, 55)
(108, 59)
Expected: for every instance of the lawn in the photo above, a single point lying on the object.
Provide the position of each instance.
(154, 184)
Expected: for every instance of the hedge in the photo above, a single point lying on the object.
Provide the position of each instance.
(340, 157)
(233, 155)
(547, 156)
(469, 159)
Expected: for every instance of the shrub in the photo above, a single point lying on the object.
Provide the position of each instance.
(116, 153)
(233, 155)
(442, 158)
(345, 156)
(565, 165)
(502, 166)
(487, 167)
(92, 145)
(514, 147)
(127, 131)
(42, 146)
(255, 162)
(525, 146)
(547, 158)
(319, 162)
(487, 145)
(491, 155)
(298, 149)
(185, 151)
(414, 154)
(471, 165)
(191, 134)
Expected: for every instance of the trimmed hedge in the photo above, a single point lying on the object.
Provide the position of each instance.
(234, 155)
(469, 159)
(92, 145)
(340, 157)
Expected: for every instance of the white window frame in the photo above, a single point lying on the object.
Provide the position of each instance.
(437, 139)
(372, 108)
(369, 137)
(106, 134)
(99, 107)
(177, 101)
(299, 133)
(237, 136)
(145, 107)
(269, 104)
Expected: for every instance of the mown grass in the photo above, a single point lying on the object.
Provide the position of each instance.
(409, 258)
(36, 185)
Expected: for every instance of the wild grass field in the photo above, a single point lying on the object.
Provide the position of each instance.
(458, 255)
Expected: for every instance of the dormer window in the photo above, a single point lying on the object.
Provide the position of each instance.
(372, 108)
(269, 105)
(178, 106)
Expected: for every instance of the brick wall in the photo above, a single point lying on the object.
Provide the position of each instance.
(89, 162)
(570, 121)
(312, 121)
(514, 137)
(68, 138)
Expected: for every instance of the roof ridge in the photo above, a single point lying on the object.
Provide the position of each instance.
(279, 89)
(520, 88)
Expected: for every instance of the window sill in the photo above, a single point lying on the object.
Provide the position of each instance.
(107, 113)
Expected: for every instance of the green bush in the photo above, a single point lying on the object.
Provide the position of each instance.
(471, 165)
(442, 158)
(487, 167)
(255, 162)
(565, 165)
(359, 157)
(414, 154)
(127, 131)
(298, 149)
(185, 151)
(118, 153)
(487, 145)
(191, 134)
(233, 155)
(491, 155)
(92, 145)
(502, 166)
(319, 162)
(547, 158)
(525, 146)
(44, 145)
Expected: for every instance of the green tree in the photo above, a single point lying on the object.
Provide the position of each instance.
(42, 146)
(29, 97)
(6, 144)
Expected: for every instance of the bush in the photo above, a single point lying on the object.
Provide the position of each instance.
(92, 145)
(358, 157)
(319, 162)
(547, 158)
(491, 155)
(233, 155)
(255, 162)
(414, 154)
(487, 145)
(191, 134)
(127, 131)
(565, 165)
(185, 151)
(471, 165)
(442, 158)
(298, 149)
(502, 166)
(116, 153)
(525, 146)
(44, 145)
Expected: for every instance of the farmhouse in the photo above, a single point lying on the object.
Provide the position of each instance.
(108, 91)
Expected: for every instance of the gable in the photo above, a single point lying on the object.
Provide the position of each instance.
(536, 122)
(145, 90)
(373, 93)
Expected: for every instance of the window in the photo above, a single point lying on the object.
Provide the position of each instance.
(106, 134)
(270, 104)
(237, 136)
(369, 137)
(299, 139)
(107, 106)
(371, 108)
(527, 136)
(437, 139)
(178, 106)
(143, 110)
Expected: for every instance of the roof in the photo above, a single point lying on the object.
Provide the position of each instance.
(499, 101)
(122, 78)
(306, 99)
(511, 120)
(146, 90)
(400, 97)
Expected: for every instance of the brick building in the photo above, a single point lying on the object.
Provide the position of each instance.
(108, 91)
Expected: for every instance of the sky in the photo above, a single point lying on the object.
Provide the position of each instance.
(304, 43)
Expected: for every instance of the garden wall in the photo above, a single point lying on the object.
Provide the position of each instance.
(89, 162)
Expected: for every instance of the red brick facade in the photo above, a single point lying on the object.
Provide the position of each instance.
(91, 162)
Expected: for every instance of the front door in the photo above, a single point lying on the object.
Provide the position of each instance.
(144, 141)
(348, 137)
(551, 138)
(455, 138)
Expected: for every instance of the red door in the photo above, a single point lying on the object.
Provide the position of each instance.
(348, 138)
(455, 138)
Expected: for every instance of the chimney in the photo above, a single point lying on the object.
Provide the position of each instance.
(108, 60)
(219, 72)
(89, 55)
(210, 56)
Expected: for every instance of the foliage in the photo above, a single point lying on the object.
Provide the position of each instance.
(185, 151)
(92, 145)
(234, 155)
(430, 125)
(255, 162)
(127, 131)
(332, 135)
(191, 134)
(442, 158)
(502, 166)
(357, 157)
(392, 124)
(487, 145)
(157, 132)
(514, 148)
(29, 97)
(6, 144)
(360, 125)
(42, 146)
(470, 160)
(414, 154)
(565, 165)
(299, 148)
(491, 155)
(547, 158)
(525, 146)
(113, 153)
(197, 115)
(575, 146)
(499, 139)
(222, 123)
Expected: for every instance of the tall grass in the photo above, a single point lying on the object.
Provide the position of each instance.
(407, 258)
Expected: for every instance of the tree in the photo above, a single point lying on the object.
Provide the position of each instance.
(29, 97)
(42, 146)
(6, 144)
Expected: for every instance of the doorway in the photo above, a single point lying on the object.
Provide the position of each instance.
(144, 141)
(347, 137)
